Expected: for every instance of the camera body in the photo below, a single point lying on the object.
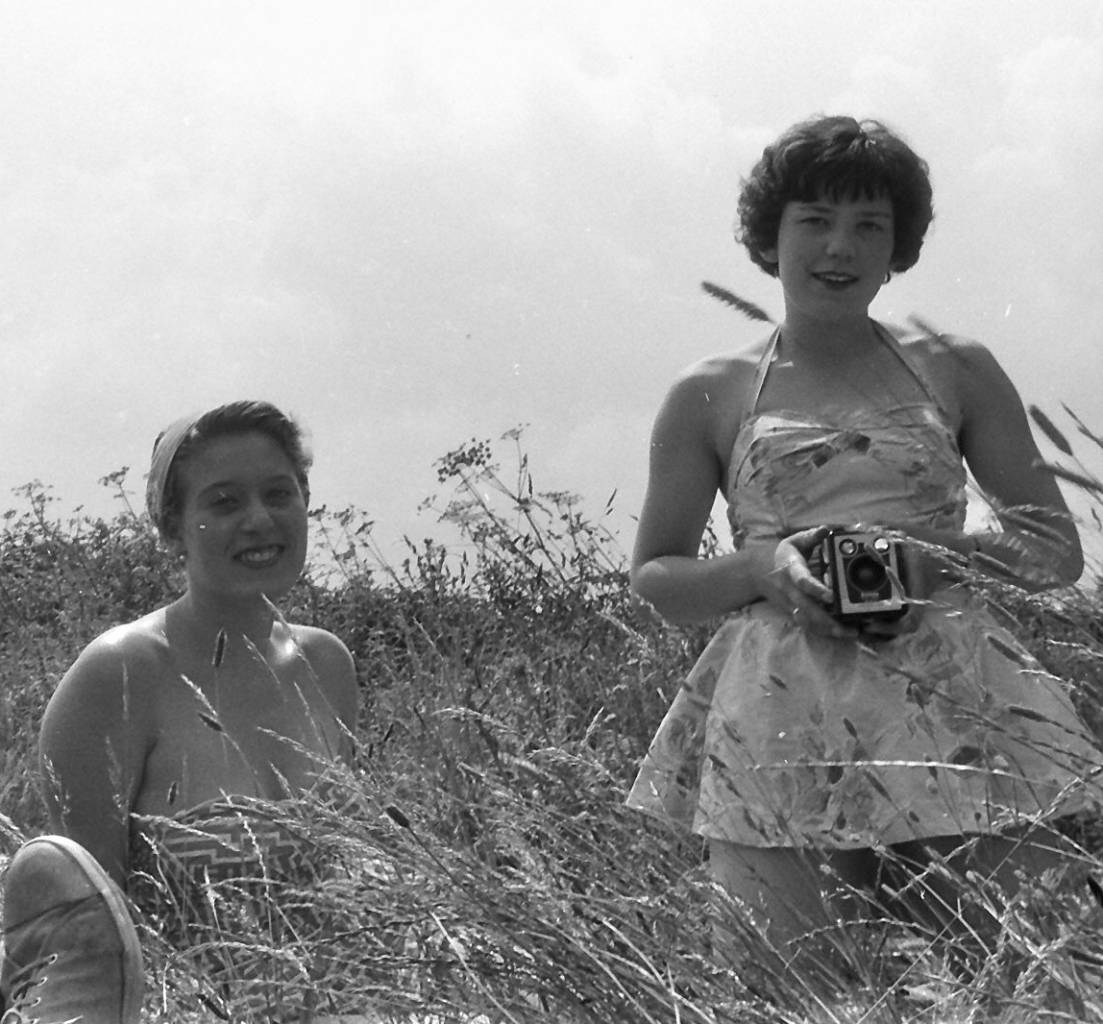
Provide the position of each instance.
(864, 569)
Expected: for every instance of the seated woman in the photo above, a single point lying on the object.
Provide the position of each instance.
(170, 735)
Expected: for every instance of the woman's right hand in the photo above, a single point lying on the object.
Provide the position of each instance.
(793, 587)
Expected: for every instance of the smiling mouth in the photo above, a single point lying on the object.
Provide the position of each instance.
(260, 558)
(835, 279)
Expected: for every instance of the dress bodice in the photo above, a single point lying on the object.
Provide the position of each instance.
(893, 467)
(782, 736)
(887, 465)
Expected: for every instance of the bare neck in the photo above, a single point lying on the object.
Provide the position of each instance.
(814, 341)
(206, 622)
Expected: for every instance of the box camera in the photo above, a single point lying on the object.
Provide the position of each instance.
(864, 570)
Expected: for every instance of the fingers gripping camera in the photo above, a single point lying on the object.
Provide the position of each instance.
(864, 570)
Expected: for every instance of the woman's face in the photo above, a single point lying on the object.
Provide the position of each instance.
(243, 523)
(833, 255)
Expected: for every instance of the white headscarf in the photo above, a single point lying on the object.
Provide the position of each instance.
(164, 451)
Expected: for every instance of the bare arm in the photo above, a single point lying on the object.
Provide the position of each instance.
(92, 747)
(691, 430)
(1039, 546)
(335, 672)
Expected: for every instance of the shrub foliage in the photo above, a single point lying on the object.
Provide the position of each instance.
(510, 685)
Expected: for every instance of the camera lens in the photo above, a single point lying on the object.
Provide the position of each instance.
(866, 573)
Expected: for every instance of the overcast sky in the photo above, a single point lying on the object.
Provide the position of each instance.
(412, 223)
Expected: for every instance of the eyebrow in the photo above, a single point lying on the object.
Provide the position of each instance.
(267, 481)
(827, 207)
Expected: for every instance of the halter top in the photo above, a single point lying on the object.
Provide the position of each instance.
(897, 465)
(781, 737)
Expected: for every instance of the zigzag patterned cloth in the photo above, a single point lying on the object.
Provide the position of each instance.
(218, 883)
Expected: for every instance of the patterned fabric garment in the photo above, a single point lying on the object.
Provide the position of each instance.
(218, 883)
(180, 859)
(781, 737)
(252, 899)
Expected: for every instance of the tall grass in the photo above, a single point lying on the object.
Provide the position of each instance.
(478, 857)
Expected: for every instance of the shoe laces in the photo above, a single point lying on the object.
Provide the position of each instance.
(24, 981)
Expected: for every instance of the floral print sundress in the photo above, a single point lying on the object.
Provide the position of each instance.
(781, 737)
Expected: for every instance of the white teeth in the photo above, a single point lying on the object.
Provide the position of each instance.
(259, 556)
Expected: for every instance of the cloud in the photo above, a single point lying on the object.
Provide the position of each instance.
(417, 222)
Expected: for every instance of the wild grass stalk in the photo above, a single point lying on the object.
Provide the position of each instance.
(478, 860)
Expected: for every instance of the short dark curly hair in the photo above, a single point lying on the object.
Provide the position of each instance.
(243, 417)
(836, 157)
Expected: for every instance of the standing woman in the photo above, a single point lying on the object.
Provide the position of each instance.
(819, 755)
(168, 732)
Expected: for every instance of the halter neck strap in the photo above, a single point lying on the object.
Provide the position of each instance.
(883, 335)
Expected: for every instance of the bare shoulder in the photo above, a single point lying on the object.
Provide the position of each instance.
(953, 347)
(321, 643)
(708, 396)
(721, 372)
(105, 691)
(122, 653)
(332, 664)
(963, 370)
(934, 346)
